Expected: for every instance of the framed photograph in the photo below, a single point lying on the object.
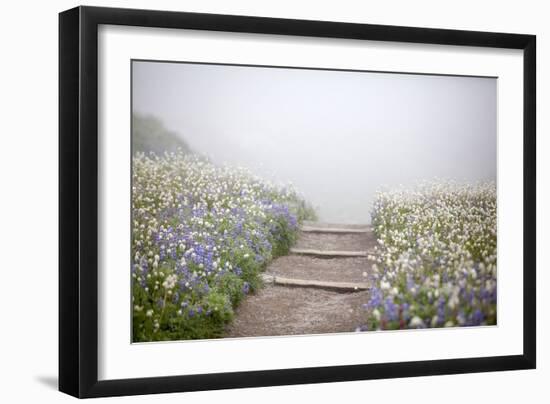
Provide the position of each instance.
(249, 201)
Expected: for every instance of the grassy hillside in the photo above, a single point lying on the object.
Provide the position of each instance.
(150, 135)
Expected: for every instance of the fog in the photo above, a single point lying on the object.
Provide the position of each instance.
(337, 136)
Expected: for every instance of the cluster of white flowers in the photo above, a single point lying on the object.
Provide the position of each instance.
(436, 263)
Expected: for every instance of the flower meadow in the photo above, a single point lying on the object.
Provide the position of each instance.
(436, 259)
(201, 235)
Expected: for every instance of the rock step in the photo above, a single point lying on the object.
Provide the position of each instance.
(325, 225)
(342, 269)
(343, 230)
(328, 253)
(306, 283)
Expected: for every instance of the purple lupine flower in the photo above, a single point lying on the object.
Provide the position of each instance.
(246, 288)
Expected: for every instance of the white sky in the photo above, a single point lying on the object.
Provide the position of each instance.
(338, 136)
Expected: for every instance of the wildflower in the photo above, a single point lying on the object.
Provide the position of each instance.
(246, 288)
(416, 322)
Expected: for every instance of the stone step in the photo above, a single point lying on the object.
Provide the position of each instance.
(342, 230)
(328, 253)
(307, 283)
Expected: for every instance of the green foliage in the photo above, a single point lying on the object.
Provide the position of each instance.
(305, 211)
(231, 286)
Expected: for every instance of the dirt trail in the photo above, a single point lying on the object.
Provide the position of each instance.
(281, 310)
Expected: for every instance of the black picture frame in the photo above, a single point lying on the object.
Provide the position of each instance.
(78, 201)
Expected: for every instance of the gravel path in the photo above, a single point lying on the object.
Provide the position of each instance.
(337, 241)
(277, 310)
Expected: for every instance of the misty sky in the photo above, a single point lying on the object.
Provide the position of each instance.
(337, 136)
